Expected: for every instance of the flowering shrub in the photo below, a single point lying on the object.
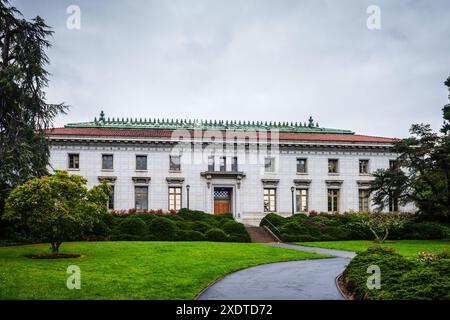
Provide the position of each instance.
(433, 256)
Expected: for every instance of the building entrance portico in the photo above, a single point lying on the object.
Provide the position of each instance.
(223, 200)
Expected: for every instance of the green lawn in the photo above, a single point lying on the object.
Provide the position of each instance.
(408, 248)
(131, 270)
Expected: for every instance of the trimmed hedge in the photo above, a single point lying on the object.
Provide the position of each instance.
(130, 229)
(187, 225)
(162, 229)
(346, 226)
(401, 279)
(216, 234)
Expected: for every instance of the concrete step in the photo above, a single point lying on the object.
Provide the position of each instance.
(260, 235)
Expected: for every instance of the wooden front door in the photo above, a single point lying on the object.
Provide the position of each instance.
(221, 206)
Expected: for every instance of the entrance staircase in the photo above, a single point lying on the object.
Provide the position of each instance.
(261, 235)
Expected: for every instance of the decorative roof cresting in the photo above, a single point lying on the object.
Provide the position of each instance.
(173, 124)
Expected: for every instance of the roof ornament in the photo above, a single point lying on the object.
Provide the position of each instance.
(102, 117)
(311, 122)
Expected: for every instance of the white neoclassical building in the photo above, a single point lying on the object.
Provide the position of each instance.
(246, 168)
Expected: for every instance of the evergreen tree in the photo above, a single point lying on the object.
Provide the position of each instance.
(24, 113)
(425, 176)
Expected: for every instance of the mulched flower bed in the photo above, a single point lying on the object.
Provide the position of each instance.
(53, 256)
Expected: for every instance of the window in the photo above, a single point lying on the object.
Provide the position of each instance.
(333, 166)
(301, 166)
(364, 200)
(107, 161)
(175, 163)
(333, 200)
(234, 164)
(211, 163)
(111, 199)
(174, 198)
(363, 166)
(269, 164)
(393, 204)
(301, 196)
(270, 202)
(141, 162)
(74, 161)
(393, 164)
(223, 164)
(141, 198)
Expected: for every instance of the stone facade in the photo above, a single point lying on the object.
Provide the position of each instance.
(245, 184)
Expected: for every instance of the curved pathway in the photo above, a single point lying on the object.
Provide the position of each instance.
(294, 280)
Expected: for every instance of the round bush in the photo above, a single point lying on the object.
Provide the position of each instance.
(200, 226)
(190, 235)
(126, 237)
(132, 226)
(230, 227)
(239, 237)
(162, 229)
(216, 235)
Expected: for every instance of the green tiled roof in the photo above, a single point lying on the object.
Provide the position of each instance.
(172, 124)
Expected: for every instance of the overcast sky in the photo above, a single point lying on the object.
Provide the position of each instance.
(251, 60)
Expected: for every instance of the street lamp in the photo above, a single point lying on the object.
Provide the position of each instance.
(187, 189)
(292, 192)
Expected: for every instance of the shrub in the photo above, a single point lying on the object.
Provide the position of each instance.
(426, 230)
(274, 219)
(216, 234)
(401, 278)
(241, 237)
(200, 226)
(233, 227)
(162, 229)
(135, 228)
(126, 237)
(190, 235)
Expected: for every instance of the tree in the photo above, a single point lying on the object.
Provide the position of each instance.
(24, 113)
(390, 186)
(423, 172)
(56, 208)
(380, 223)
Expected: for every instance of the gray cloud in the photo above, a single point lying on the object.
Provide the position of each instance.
(252, 60)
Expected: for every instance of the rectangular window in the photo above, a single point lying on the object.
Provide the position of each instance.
(333, 200)
(301, 166)
(175, 163)
(111, 199)
(301, 196)
(333, 166)
(141, 162)
(211, 163)
(393, 164)
(107, 161)
(223, 164)
(269, 164)
(141, 198)
(364, 200)
(234, 164)
(363, 166)
(174, 198)
(74, 161)
(270, 200)
(393, 204)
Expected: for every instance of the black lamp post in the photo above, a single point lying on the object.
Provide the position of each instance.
(292, 192)
(187, 189)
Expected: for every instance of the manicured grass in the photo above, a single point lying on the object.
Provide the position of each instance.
(408, 248)
(131, 270)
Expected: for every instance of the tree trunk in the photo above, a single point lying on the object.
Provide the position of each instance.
(386, 233)
(55, 248)
(377, 238)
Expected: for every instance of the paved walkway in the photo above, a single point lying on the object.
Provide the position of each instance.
(294, 280)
